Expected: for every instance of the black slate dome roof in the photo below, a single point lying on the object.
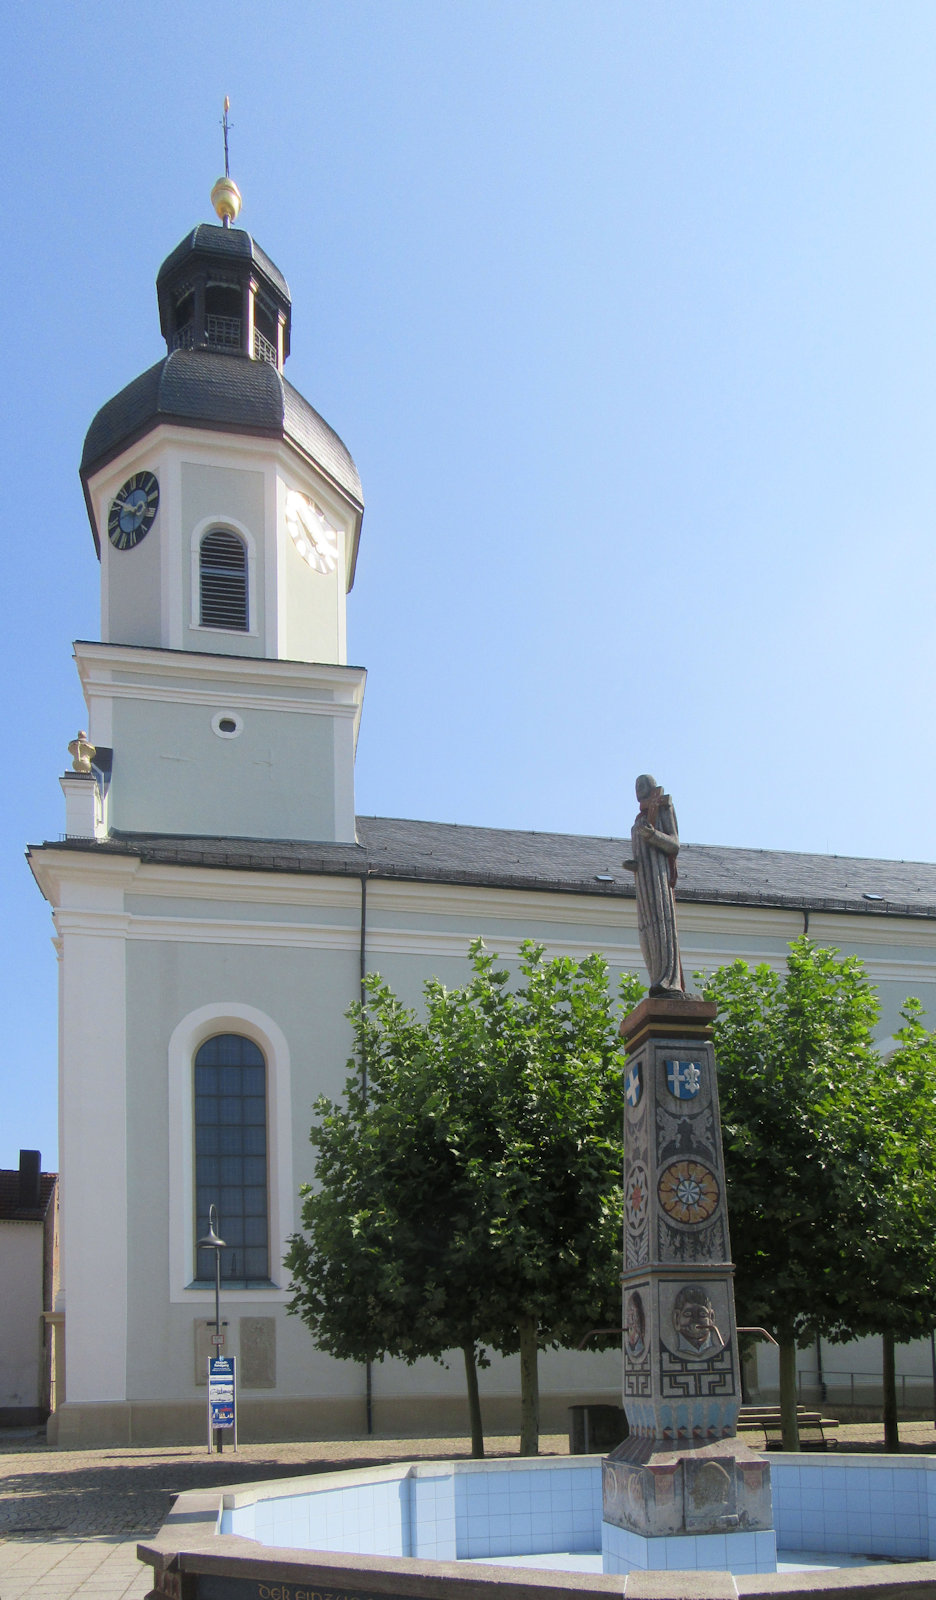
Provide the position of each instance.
(225, 245)
(211, 389)
(224, 311)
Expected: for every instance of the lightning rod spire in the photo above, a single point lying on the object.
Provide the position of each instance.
(225, 196)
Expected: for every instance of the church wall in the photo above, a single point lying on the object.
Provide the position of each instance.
(174, 774)
(286, 949)
(302, 992)
(93, 1162)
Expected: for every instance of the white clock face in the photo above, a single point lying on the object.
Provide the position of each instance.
(314, 536)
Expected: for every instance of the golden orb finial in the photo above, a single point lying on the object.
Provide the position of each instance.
(226, 199)
(225, 196)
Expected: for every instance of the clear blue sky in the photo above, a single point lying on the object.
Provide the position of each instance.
(626, 312)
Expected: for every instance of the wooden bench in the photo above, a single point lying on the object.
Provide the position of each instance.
(812, 1426)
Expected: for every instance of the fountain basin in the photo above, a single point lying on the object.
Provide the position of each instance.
(402, 1531)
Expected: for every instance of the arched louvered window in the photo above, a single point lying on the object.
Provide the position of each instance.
(223, 581)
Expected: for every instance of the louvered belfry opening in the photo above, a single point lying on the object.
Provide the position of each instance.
(223, 572)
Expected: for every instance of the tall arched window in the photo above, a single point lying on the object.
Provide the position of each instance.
(231, 1157)
(223, 581)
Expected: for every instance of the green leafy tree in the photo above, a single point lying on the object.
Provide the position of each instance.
(795, 1058)
(893, 1263)
(470, 1196)
(830, 1158)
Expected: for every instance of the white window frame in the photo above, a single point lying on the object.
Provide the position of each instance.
(187, 1037)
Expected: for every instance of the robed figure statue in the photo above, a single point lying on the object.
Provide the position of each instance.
(655, 843)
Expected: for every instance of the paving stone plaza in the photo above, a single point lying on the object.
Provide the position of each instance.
(70, 1520)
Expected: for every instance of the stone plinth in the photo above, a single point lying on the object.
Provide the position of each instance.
(654, 1490)
(708, 1506)
(682, 1475)
(681, 1375)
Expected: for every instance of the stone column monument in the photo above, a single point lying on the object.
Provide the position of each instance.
(683, 1490)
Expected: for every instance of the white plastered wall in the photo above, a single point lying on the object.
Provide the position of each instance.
(94, 1177)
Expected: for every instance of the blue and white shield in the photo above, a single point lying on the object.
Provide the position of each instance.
(633, 1085)
(683, 1078)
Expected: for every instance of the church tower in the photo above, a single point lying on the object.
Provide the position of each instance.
(208, 891)
(226, 516)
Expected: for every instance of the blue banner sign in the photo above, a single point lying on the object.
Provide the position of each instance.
(221, 1391)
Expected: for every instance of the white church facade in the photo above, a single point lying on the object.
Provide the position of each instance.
(216, 900)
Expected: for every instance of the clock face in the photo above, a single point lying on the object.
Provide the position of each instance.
(314, 536)
(133, 511)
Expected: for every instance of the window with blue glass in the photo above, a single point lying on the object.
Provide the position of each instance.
(231, 1157)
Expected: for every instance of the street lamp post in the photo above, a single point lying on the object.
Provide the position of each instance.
(212, 1241)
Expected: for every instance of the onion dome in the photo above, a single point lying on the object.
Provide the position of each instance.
(224, 311)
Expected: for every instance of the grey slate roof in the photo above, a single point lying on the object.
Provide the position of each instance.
(11, 1209)
(208, 239)
(225, 390)
(438, 852)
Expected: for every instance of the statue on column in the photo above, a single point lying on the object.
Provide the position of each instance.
(655, 843)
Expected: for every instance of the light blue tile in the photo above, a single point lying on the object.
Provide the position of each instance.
(907, 1546)
(906, 1499)
(833, 1523)
(909, 1522)
(834, 1499)
(880, 1478)
(711, 1551)
(741, 1546)
(678, 1552)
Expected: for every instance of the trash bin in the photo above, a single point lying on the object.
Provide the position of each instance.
(596, 1430)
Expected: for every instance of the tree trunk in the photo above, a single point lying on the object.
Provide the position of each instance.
(788, 1423)
(529, 1388)
(889, 1375)
(474, 1401)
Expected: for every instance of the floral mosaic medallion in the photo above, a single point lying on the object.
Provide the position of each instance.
(688, 1191)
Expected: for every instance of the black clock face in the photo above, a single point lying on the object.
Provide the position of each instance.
(133, 511)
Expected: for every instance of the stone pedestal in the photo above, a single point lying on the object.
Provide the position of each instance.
(705, 1506)
(682, 1490)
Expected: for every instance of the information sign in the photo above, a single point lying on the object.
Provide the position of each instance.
(222, 1394)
